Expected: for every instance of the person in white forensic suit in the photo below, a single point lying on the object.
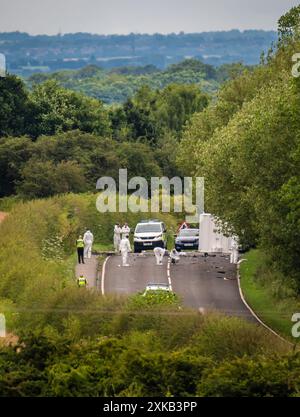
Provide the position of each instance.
(88, 239)
(125, 248)
(117, 237)
(234, 251)
(159, 254)
(175, 256)
(125, 230)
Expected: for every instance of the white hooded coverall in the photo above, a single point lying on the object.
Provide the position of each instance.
(234, 254)
(174, 255)
(159, 254)
(88, 239)
(117, 237)
(124, 249)
(125, 231)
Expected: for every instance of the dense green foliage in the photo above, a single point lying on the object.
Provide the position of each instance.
(57, 109)
(288, 25)
(151, 298)
(152, 115)
(246, 145)
(141, 364)
(13, 106)
(66, 141)
(67, 162)
(119, 84)
(49, 109)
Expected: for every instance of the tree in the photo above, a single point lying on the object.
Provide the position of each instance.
(14, 153)
(201, 126)
(59, 110)
(176, 104)
(289, 25)
(194, 65)
(14, 106)
(152, 114)
(139, 115)
(44, 178)
(165, 154)
(252, 377)
(138, 159)
(96, 156)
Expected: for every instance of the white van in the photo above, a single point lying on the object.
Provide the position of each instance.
(149, 234)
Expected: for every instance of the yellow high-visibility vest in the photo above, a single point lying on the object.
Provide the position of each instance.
(82, 282)
(80, 243)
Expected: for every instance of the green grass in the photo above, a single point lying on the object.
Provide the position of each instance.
(7, 203)
(275, 312)
(103, 247)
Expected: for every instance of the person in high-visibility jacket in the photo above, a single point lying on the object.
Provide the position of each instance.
(80, 249)
(81, 281)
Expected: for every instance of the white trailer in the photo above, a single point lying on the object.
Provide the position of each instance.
(211, 240)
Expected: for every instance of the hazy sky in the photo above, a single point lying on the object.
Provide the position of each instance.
(143, 16)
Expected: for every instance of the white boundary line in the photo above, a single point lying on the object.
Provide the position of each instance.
(252, 312)
(103, 275)
(168, 274)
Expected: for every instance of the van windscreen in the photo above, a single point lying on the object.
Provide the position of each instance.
(148, 228)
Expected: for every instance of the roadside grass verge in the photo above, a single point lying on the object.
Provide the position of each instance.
(7, 203)
(103, 247)
(273, 307)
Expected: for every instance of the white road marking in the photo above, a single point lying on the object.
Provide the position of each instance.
(169, 275)
(103, 275)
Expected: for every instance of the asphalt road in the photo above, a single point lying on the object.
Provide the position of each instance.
(210, 284)
(88, 270)
(132, 279)
(203, 283)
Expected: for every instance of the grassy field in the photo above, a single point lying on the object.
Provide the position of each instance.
(276, 312)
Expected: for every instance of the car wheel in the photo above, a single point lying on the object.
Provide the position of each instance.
(137, 250)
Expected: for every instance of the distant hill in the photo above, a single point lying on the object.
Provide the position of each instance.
(118, 84)
(28, 54)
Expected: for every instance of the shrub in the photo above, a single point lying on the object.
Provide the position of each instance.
(253, 377)
(223, 337)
